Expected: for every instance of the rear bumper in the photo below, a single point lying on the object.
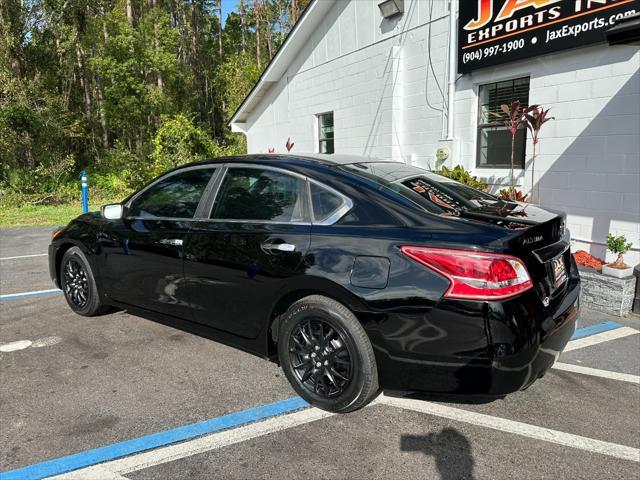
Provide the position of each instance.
(514, 343)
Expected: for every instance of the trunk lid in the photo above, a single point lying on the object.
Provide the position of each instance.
(536, 235)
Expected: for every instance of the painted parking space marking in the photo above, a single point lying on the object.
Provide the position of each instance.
(95, 456)
(142, 452)
(620, 332)
(15, 346)
(200, 445)
(593, 329)
(36, 293)
(24, 256)
(510, 426)
(595, 372)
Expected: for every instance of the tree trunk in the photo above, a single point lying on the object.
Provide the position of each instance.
(129, 11)
(84, 80)
(243, 26)
(220, 27)
(294, 12)
(256, 12)
(103, 117)
(267, 35)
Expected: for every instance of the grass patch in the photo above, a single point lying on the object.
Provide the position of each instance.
(42, 215)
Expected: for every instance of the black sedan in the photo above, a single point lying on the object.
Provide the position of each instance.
(354, 274)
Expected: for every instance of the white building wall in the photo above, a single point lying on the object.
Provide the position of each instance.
(588, 157)
(388, 102)
(373, 74)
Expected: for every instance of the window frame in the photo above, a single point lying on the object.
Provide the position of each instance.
(336, 215)
(518, 165)
(215, 172)
(228, 166)
(320, 140)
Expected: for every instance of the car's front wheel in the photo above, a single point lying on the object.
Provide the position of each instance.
(79, 285)
(326, 355)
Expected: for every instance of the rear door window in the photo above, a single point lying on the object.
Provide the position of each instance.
(262, 195)
(175, 196)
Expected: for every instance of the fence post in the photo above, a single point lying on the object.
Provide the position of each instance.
(85, 193)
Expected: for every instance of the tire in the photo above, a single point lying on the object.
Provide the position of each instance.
(77, 283)
(342, 375)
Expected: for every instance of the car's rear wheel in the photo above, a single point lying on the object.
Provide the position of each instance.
(326, 355)
(79, 285)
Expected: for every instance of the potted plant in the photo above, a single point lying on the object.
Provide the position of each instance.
(619, 246)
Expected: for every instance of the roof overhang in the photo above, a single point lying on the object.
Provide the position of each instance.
(625, 31)
(277, 67)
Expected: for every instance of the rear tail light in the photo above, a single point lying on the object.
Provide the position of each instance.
(474, 275)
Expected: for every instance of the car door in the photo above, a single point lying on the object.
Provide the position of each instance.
(143, 252)
(255, 240)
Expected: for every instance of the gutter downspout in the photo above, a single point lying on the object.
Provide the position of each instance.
(453, 47)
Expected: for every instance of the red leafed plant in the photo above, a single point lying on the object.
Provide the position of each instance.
(513, 117)
(513, 194)
(289, 145)
(587, 260)
(536, 117)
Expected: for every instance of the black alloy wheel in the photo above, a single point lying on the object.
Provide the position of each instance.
(76, 283)
(79, 285)
(320, 358)
(326, 354)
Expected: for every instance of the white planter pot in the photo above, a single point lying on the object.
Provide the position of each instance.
(617, 272)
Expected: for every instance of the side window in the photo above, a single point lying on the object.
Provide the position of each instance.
(177, 196)
(324, 202)
(325, 133)
(260, 195)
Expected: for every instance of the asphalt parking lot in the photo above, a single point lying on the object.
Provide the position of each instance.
(120, 397)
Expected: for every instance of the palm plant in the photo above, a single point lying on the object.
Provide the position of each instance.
(536, 117)
(515, 117)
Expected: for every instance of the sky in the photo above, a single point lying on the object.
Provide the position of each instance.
(228, 6)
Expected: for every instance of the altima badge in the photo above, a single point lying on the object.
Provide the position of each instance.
(545, 301)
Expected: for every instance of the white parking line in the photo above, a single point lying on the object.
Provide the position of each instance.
(600, 337)
(595, 372)
(25, 256)
(115, 469)
(518, 428)
(196, 446)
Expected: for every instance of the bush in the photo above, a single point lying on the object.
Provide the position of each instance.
(179, 141)
(459, 174)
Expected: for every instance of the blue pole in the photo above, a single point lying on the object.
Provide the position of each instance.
(85, 193)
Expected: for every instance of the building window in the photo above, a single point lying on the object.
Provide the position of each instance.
(494, 140)
(325, 133)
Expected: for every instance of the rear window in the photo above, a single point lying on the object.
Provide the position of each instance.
(432, 192)
(448, 193)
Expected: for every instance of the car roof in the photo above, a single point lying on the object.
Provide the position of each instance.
(325, 159)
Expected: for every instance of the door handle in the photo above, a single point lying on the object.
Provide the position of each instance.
(176, 242)
(279, 247)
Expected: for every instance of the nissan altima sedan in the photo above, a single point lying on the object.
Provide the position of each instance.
(353, 274)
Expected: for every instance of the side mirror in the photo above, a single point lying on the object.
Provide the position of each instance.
(112, 212)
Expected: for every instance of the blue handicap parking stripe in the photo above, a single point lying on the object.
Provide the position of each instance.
(17, 296)
(154, 440)
(593, 329)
